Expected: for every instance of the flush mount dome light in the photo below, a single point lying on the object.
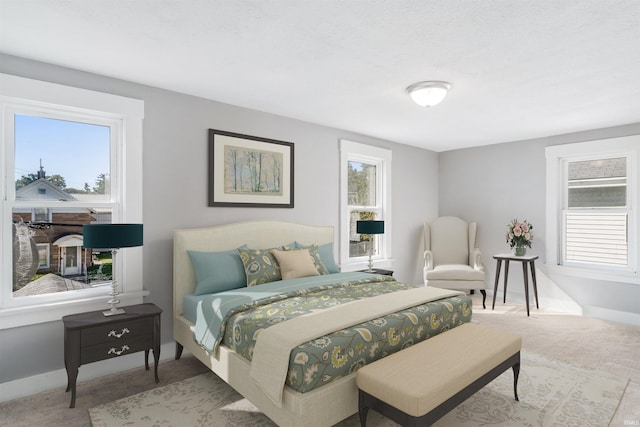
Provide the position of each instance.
(428, 94)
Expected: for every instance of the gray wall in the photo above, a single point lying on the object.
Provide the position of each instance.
(175, 192)
(496, 183)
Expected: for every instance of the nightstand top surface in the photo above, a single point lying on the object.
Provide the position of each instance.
(80, 320)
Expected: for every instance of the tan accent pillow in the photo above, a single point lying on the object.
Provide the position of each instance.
(296, 263)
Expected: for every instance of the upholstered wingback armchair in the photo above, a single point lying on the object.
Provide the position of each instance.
(451, 260)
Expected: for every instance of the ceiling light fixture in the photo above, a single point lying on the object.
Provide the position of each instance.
(428, 94)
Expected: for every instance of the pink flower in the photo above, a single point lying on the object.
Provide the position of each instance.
(519, 233)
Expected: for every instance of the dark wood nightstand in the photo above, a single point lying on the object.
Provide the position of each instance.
(90, 337)
(378, 271)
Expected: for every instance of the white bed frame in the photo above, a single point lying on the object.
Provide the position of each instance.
(324, 406)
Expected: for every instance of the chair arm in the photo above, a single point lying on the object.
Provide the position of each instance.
(428, 260)
(475, 260)
(428, 265)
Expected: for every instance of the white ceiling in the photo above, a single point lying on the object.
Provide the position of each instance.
(519, 69)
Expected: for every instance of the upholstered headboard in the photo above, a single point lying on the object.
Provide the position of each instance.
(255, 234)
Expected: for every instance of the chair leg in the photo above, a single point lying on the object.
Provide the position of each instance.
(484, 297)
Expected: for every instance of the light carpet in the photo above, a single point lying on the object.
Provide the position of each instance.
(551, 392)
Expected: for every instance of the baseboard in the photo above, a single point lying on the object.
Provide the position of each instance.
(562, 306)
(612, 315)
(554, 304)
(58, 379)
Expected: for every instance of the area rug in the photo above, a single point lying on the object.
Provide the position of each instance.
(551, 392)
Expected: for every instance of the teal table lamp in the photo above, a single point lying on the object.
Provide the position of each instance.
(113, 237)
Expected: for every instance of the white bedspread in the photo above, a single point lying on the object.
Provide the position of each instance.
(270, 360)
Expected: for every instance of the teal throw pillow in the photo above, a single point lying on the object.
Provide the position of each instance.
(217, 271)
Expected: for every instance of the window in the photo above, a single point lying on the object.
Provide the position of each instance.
(40, 214)
(77, 148)
(592, 194)
(64, 154)
(596, 212)
(365, 195)
(43, 255)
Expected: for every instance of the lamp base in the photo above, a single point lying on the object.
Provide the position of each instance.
(113, 312)
(113, 301)
(370, 270)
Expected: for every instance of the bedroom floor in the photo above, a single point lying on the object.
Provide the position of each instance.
(582, 341)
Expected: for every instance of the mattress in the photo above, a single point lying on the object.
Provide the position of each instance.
(190, 306)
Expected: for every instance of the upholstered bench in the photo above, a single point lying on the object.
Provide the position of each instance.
(420, 384)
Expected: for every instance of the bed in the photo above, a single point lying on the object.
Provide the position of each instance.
(324, 405)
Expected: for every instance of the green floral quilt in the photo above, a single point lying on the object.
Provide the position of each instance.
(333, 356)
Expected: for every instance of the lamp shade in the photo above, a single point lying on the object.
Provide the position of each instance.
(370, 227)
(112, 236)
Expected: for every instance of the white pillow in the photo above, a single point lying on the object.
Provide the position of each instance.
(295, 263)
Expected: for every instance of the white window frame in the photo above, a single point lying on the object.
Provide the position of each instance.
(557, 157)
(19, 94)
(381, 157)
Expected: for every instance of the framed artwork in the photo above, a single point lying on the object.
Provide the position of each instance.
(249, 171)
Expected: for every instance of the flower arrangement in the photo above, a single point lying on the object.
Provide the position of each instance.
(519, 233)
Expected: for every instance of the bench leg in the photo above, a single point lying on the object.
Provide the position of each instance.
(516, 372)
(363, 409)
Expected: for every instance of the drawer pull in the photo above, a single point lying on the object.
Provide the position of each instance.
(112, 350)
(114, 334)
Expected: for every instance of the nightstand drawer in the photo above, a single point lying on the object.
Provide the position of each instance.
(115, 332)
(114, 349)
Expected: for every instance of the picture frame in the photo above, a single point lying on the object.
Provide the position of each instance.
(250, 171)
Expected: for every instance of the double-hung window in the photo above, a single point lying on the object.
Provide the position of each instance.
(65, 164)
(592, 213)
(365, 195)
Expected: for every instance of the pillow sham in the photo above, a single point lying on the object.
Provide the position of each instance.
(295, 263)
(217, 271)
(260, 266)
(326, 257)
